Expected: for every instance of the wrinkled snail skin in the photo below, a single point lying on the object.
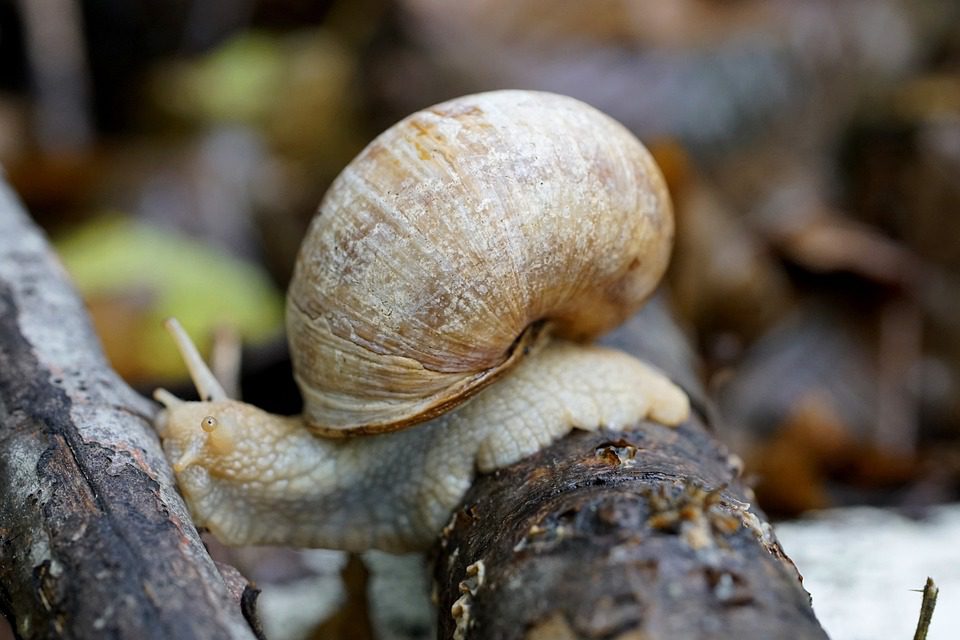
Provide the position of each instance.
(437, 320)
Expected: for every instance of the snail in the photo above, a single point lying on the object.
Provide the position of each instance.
(439, 320)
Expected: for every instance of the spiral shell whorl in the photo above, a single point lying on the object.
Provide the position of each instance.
(452, 233)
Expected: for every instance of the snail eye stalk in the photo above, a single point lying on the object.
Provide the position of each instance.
(203, 379)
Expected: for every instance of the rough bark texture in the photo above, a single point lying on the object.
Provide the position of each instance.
(647, 534)
(95, 542)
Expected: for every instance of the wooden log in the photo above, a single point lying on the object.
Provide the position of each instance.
(95, 542)
(646, 534)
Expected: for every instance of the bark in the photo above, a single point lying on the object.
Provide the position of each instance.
(647, 534)
(95, 542)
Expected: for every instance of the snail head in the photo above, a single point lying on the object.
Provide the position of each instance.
(215, 433)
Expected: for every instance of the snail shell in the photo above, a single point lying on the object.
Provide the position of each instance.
(441, 251)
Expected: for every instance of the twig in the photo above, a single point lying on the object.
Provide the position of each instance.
(930, 591)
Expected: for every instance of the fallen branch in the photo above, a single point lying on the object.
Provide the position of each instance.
(647, 534)
(95, 542)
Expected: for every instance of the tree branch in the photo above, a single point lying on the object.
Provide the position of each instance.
(95, 542)
(647, 534)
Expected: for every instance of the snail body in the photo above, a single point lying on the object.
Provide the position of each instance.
(436, 321)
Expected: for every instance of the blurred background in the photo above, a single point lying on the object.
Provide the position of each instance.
(175, 151)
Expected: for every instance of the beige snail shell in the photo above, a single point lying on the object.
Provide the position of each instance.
(443, 248)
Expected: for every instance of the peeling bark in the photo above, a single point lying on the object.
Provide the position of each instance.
(95, 542)
(647, 534)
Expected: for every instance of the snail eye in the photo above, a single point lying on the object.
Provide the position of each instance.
(208, 424)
